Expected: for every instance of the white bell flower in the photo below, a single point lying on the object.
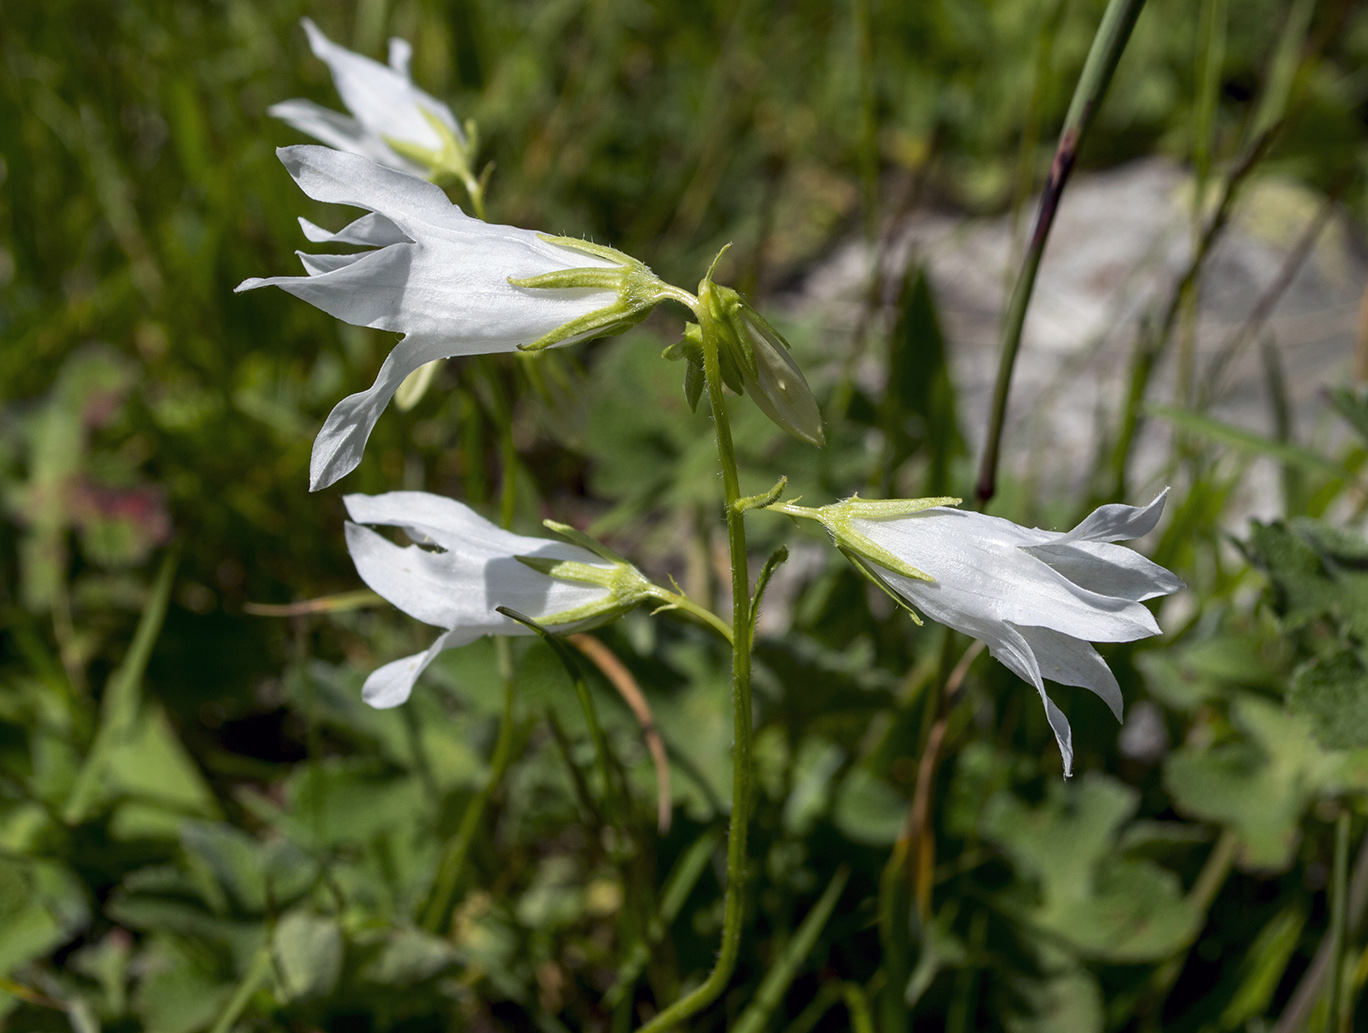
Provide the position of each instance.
(462, 567)
(451, 284)
(392, 121)
(1036, 598)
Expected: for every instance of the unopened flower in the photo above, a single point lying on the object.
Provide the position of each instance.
(462, 567)
(453, 285)
(754, 360)
(1036, 598)
(392, 121)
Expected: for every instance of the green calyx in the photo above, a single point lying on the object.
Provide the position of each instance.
(626, 585)
(452, 161)
(638, 291)
(838, 518)
(870, 573)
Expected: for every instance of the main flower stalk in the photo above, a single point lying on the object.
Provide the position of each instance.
(717, 980)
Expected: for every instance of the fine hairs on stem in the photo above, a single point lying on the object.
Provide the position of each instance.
(708, 991)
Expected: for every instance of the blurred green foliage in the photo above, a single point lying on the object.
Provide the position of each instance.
(203, 828)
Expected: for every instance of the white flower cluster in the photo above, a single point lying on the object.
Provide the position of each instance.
(456, 285)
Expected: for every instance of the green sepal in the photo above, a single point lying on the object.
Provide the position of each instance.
(881, 509)
(694, 381)
(450, 162)
(777, 557)
(764, 500)
(726, 311)
(639, 290)
(626, 586)
(837, 519)
(871, 574)
(755, 360)
(577, 537)
(690, 348)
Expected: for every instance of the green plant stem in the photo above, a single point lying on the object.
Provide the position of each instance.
(708, 991)
(681, 602)
(1112, 35)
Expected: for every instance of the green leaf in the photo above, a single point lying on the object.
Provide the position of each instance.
(868, 809)
(1064, 998)
(307, 950)
(408, 955)
(1333, 694)
(177, 993)
(918, 410)
(1259, 784)
(1353, 406)
(1263, 967)
(1110, 907)
(42, 906)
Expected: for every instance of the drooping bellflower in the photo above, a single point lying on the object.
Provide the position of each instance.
(451, 284)
(392, 121)
(1037, 599)
(461, 567)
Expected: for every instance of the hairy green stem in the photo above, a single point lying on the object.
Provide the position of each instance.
(681, 602)
(1107, 46)
(717, 980)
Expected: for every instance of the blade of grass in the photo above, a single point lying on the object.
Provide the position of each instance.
(680, 883)
(122, 696)
(1237, 437)
(778, 978)
(1107, 46)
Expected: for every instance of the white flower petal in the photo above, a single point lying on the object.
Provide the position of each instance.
(476, 570)
(982, 574)
(337, 130)
(392, 684)
(372, 230)
(366, 292)
(1109, 569)
(337, 177)
(454, 526)
(441, 278)
(1010, 647)
(1059, 724)
(400, 54)
(1070, 661)
(342, 439)
(318, 265)
(1115, 522)
(459, 587)
(384, 100)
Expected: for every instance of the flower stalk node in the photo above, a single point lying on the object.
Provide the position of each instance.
(763, 500)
